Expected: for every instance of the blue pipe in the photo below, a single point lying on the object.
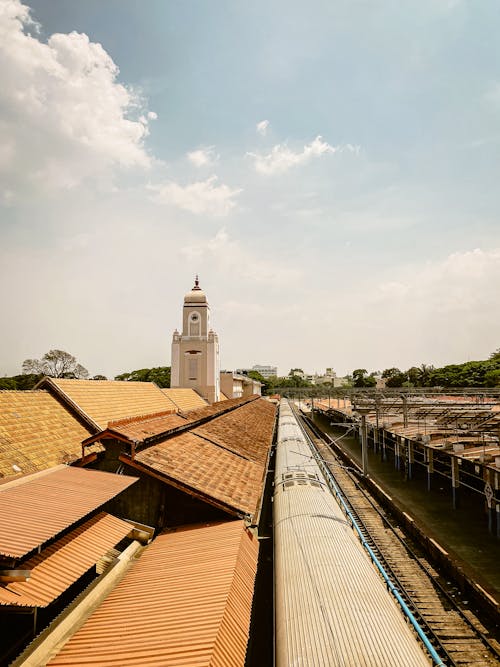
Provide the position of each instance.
(390, 585)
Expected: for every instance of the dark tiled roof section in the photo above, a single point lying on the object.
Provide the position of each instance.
(247, 431)
(139, 429)
(208, 469)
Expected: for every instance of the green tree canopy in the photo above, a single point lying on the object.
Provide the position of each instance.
(361, 378)
(160, 375)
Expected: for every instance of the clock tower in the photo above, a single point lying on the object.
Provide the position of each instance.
(195, 351)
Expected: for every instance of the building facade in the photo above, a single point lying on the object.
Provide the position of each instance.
(237, 385)
(195, 350)
(265, 371)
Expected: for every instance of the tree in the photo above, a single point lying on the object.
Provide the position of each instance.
(394, 377)
(56, 364)
(160, 375)
(255, 375)
(495, 356)
(492, 378)
(424, 374)
(361, 378)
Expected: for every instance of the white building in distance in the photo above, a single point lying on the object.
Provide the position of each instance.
(265, 371)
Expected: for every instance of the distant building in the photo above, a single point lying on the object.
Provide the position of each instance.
(237, 385)
(195, 351)
(265, 371)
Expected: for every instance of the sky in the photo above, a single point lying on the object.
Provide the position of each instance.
(330, 169)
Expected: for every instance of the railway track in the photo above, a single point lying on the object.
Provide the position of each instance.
(455, 631)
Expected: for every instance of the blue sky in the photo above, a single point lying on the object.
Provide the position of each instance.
(330, 171)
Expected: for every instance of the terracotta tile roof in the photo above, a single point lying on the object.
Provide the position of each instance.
(36, 432)
(247, 430)
(103, 401)
(187, 601)
(64, 561)
(185, 399)
(216, 408)
(36, 508)
(138, 429)
(193, 462)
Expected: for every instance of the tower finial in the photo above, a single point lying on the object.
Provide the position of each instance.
(196, 283)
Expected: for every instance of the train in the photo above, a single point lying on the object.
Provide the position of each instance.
(332, 606)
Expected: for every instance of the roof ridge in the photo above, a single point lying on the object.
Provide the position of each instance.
(139, 418)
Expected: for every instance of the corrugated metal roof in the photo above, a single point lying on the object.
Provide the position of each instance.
(207, 468)
(36, 508)
(36, 433)
(187, 601)
(107, 400)
(64, 561)
(185, 399)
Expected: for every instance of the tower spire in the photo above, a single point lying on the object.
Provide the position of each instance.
(196, 283)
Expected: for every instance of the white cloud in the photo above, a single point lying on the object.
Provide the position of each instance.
(66, 116)
(231, 258)
(262, 127)
(203, 157)
(201, 197)
(444, 311)
(282, 158)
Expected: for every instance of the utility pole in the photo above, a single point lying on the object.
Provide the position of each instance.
(364, 440)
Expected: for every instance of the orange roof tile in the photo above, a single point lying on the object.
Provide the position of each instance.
(216, 408)
(187, 601)
(102, 401)
(64, 561)
(36, 508)
(185, 399)
(193, 462)
(36, 433)
(247, 430)
(141, 428)
(144, 427)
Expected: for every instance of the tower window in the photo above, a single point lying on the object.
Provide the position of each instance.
(194, 324)
(193, 368)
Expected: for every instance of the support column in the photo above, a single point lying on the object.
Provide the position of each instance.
(430, 466)
(405, 411)
(397, 463)
(375, 439)
(497, 505)
(384, 450)
(489, 495)
(410, 459)
(364, 446)
(455, 481)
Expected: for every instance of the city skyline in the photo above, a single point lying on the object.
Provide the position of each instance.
(330, 171)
